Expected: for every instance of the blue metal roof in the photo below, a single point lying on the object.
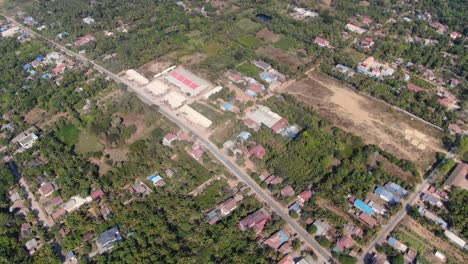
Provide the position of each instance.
(295, 207)
(391, 186)
(244, 135)
(26, 66)
(228, 106)
(387, 194)
(251, 93)
(283, 237)
(155, 178)
(392, 241)
(364, 207)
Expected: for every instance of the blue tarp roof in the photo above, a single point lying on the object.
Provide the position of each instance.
(251, 93)
(46, 76)
(283, 237)
(244, 135)
(228, 106)
(364, 207)
(26, 66)
(39, 58)
(392, 241)
(155, 178)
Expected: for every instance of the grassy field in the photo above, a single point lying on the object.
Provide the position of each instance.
(250, 42)
(412, 240)
(68, 134)
(87, 142)
(248, 25)
(287, 43)
(215, 116)
(249, 69)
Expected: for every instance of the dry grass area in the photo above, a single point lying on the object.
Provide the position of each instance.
(375, 122)
(193, 59)
(154, 67)
(35, 115)
(434, 241)
(267, 35)
(280, 56)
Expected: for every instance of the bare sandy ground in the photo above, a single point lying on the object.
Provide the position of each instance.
(375, 122)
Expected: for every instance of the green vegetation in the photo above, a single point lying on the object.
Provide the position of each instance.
(247, 25)
(248, 69)
(311, 229)
(323, 241)
(457, 211)
(287, 43)
(87, 142)
(248, 41)
(68, 134)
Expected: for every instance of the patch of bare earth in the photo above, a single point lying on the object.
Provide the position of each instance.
(372, 120)
(268, 35)
(155, 67)
(35, 115)
(280, 56)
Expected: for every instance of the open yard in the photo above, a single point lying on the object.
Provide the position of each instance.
(267, 35)
(374, 121)
(68, 134)
(87, 142)
(281, 57)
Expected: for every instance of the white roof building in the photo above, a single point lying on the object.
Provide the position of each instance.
(455, 239)
(174, 99)
(157, 87)
(133, 75)
(263, 115)
(195, 116)
(186, 81)
(88, 20)
(10, 32)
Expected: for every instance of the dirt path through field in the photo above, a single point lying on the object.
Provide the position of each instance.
(375, 122)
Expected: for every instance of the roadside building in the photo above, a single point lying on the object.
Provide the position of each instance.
(11, 32)
(304, 196)
(367, 219)
(228, 206)
(84, 40)
(213, 91)
(134, 76)
(174, 99)
(168, 139)
(344, 243)
(258, 151)
(197, 152)
(393, 187)
(256, 220)
(379, 209)
(322, 227)
(455, 239)
(157, 87)
(229, 145)
(458, 177)
(363, 207)
(195, 117)
(393, 242)
(386, 195)
(47, 189)
(431, 199)
(186, 81)
(277, 239)
(296, 207)
(107, 239)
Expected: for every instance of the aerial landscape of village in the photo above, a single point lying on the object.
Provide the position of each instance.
(234, 131)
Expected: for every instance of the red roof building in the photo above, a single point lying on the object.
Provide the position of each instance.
(455, 35)
(255, 87)
(59, 213)
(287, 260)
(258, 151)
(367, 20)
(321, 42)
(280, 125)
(47, 189)
(84, 40)
(445, 101)
(228, 206)
(97, 194)
(59, 69)
(367, 219)
(197, 153)
(56, 201)
(413, 87)
(304, 196)
(288, 191)
(344, 243)
(168, 139)
(251, 124)
(257, 221)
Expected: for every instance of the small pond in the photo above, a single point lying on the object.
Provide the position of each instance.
(264, 18)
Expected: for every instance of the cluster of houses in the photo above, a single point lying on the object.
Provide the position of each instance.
(262, 115)
(196, 151)
(270, 75)
(7, 30)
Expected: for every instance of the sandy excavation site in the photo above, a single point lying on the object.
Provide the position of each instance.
(376, 122)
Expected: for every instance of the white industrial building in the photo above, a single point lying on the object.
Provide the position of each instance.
(195, 117)
(186, 81)
(174, 99)
(157, 87)
(133, 75)
(263, 115)
(213, 91)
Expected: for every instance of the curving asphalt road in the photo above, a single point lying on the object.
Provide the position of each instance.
(223, 158)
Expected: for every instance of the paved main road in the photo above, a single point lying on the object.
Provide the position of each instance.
(403, 211)
(223, 158)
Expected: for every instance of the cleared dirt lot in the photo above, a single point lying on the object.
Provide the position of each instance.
(375, 122)
(281, 56)
(267, 35)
